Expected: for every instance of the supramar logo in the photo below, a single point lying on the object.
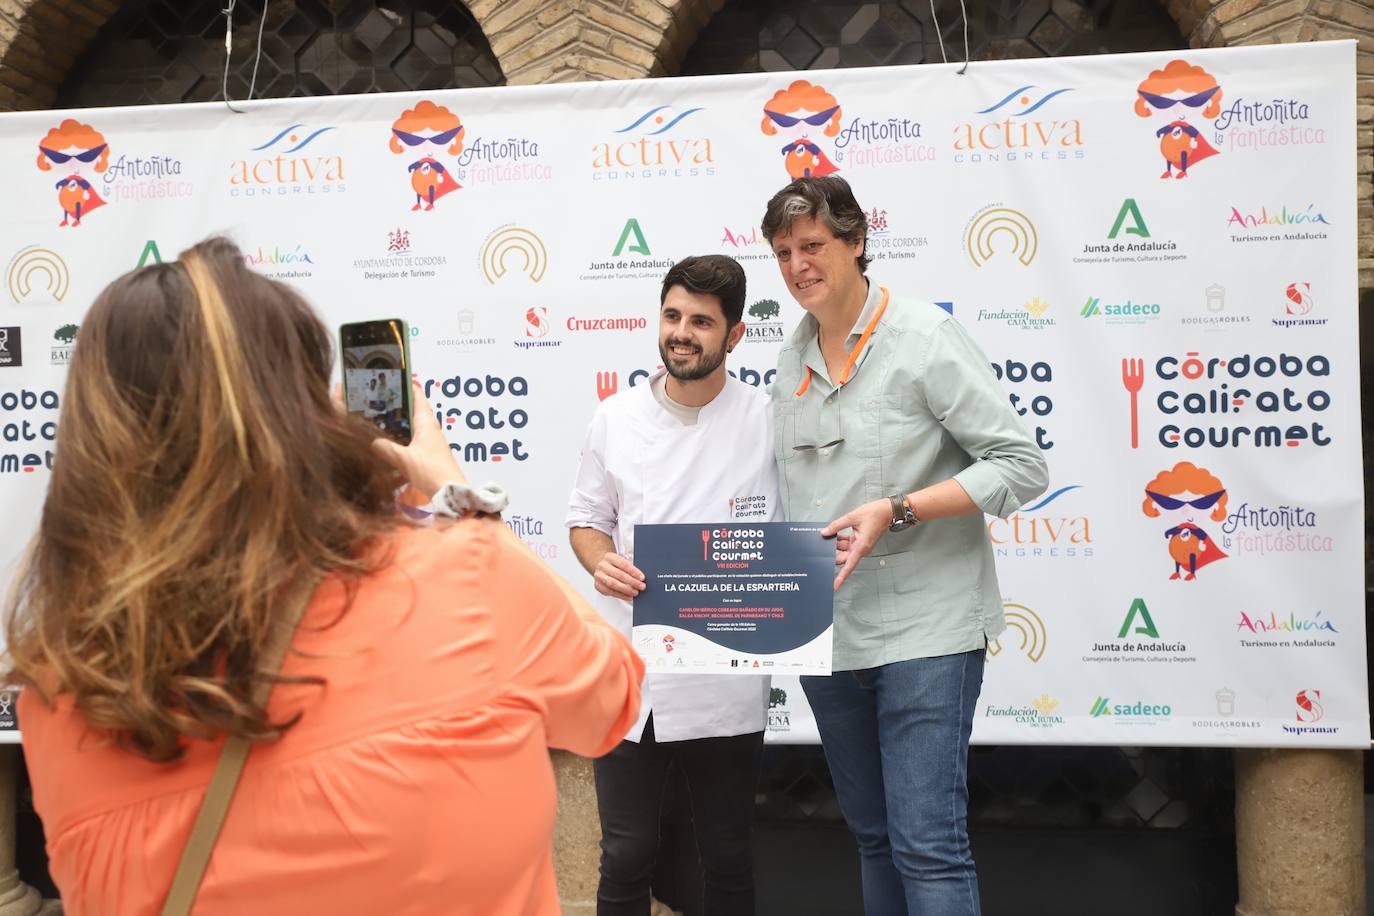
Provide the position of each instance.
(1308, 709)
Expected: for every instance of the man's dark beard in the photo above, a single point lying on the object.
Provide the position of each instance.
(708, 364)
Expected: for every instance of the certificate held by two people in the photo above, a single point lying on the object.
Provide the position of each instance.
(747, 598)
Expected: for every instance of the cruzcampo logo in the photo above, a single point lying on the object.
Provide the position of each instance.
(1145, 626)
(1137, 226)
(640, 246)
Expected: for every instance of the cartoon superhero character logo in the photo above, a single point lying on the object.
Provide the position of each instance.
(796, 113)
(1183, 497)
(76, 146)
(1177, 95)
(419, 128)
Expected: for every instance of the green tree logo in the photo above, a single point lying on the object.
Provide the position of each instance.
(777, 697)
(765, 309)
(65, 334)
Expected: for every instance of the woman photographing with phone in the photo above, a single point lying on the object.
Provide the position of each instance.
(206, 493)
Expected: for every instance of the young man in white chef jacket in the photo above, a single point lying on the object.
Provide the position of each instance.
(688, 446)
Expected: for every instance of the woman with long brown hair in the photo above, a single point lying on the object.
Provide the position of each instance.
(205, 487)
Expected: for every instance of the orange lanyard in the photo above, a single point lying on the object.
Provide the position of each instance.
(853, 354)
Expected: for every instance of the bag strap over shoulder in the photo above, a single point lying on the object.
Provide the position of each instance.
(220, 793)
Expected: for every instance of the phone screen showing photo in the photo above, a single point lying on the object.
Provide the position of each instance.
(377, 375)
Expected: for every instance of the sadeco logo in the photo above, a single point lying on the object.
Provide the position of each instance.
(1015, 129)
(289, 164)
(1120, 313)
(662, 142)
(1136, 713)
(1052, 528)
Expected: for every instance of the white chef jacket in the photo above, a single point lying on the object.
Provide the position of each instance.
(641, 465)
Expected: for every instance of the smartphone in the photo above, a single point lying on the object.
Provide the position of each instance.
(376, 374)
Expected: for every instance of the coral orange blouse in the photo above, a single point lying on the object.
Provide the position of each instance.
(418, 779)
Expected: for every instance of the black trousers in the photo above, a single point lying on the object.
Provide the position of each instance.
(722, 775)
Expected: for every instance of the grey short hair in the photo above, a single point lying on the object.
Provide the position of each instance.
(827, 200)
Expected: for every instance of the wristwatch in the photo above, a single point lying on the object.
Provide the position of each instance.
(903, 516)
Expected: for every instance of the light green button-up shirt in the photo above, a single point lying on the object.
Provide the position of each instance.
(921, 405)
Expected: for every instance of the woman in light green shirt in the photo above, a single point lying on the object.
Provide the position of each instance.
(891, 427)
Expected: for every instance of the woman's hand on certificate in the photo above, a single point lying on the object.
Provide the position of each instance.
(868, 523)
(617, 577)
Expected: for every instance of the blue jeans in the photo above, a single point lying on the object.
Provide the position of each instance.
(896, 738)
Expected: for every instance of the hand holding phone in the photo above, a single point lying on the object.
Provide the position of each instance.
(376, 374)
(427, 462)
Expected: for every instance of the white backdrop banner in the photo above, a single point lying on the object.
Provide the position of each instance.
(1157, 252)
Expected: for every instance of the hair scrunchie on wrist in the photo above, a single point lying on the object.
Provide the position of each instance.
(457, 500)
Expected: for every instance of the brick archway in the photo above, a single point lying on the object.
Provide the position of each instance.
(550, 41)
